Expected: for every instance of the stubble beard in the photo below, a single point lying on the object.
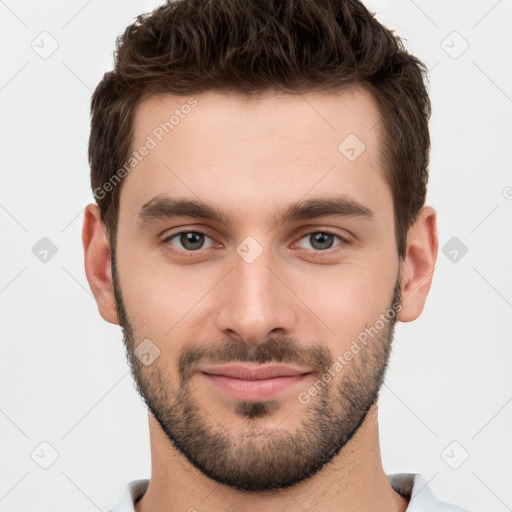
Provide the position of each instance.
(255, 458)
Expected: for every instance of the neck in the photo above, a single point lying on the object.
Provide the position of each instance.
(353, 481)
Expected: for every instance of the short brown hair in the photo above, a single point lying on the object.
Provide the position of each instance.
(255, 46)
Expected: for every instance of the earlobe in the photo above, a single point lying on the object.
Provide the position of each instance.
(419, 263)
(97, 260)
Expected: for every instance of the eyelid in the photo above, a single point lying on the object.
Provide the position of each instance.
(167, 238)
(344, 235)
(178, 230)
(343, 239)
(196, 231)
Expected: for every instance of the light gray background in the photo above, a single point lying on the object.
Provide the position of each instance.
(63, 375)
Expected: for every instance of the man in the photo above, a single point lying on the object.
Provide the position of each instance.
(260, 172)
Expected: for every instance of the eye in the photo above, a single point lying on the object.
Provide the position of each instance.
(189, 240)
(319, 240)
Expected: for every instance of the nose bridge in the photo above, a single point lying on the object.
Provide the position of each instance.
(254, 301)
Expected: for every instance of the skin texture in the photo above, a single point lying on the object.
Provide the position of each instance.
(252, 159)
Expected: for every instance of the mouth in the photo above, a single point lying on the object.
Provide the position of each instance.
(254, 382)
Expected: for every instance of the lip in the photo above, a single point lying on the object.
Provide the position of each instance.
(254, 382)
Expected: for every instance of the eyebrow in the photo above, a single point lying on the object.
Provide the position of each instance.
(164, 207)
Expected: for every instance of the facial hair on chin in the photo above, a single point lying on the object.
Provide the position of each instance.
(256, 460)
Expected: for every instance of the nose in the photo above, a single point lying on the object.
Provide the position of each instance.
(254, 302)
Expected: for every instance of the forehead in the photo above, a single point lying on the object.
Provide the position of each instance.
(313, 116)
(256, 151)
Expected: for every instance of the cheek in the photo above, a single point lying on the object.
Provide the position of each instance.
(348, 298)
(159, 297)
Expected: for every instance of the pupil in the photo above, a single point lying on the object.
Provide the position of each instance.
(192, 240)
(321, 240)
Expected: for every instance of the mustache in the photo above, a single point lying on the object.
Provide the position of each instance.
(275, 350)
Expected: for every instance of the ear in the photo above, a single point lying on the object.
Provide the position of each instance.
(417, 268)
(98, 264)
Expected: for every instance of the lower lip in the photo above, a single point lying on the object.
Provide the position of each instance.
(263, 389)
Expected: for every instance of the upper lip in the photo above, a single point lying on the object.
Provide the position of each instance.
(251, 372)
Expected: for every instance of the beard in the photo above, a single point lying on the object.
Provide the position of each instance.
(257, 459)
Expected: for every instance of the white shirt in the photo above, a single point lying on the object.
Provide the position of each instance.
(412, 486)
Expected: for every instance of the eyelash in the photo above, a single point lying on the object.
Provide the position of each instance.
(188, 253)
(183, 252)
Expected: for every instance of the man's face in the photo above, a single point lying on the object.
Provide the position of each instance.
(300, 264)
